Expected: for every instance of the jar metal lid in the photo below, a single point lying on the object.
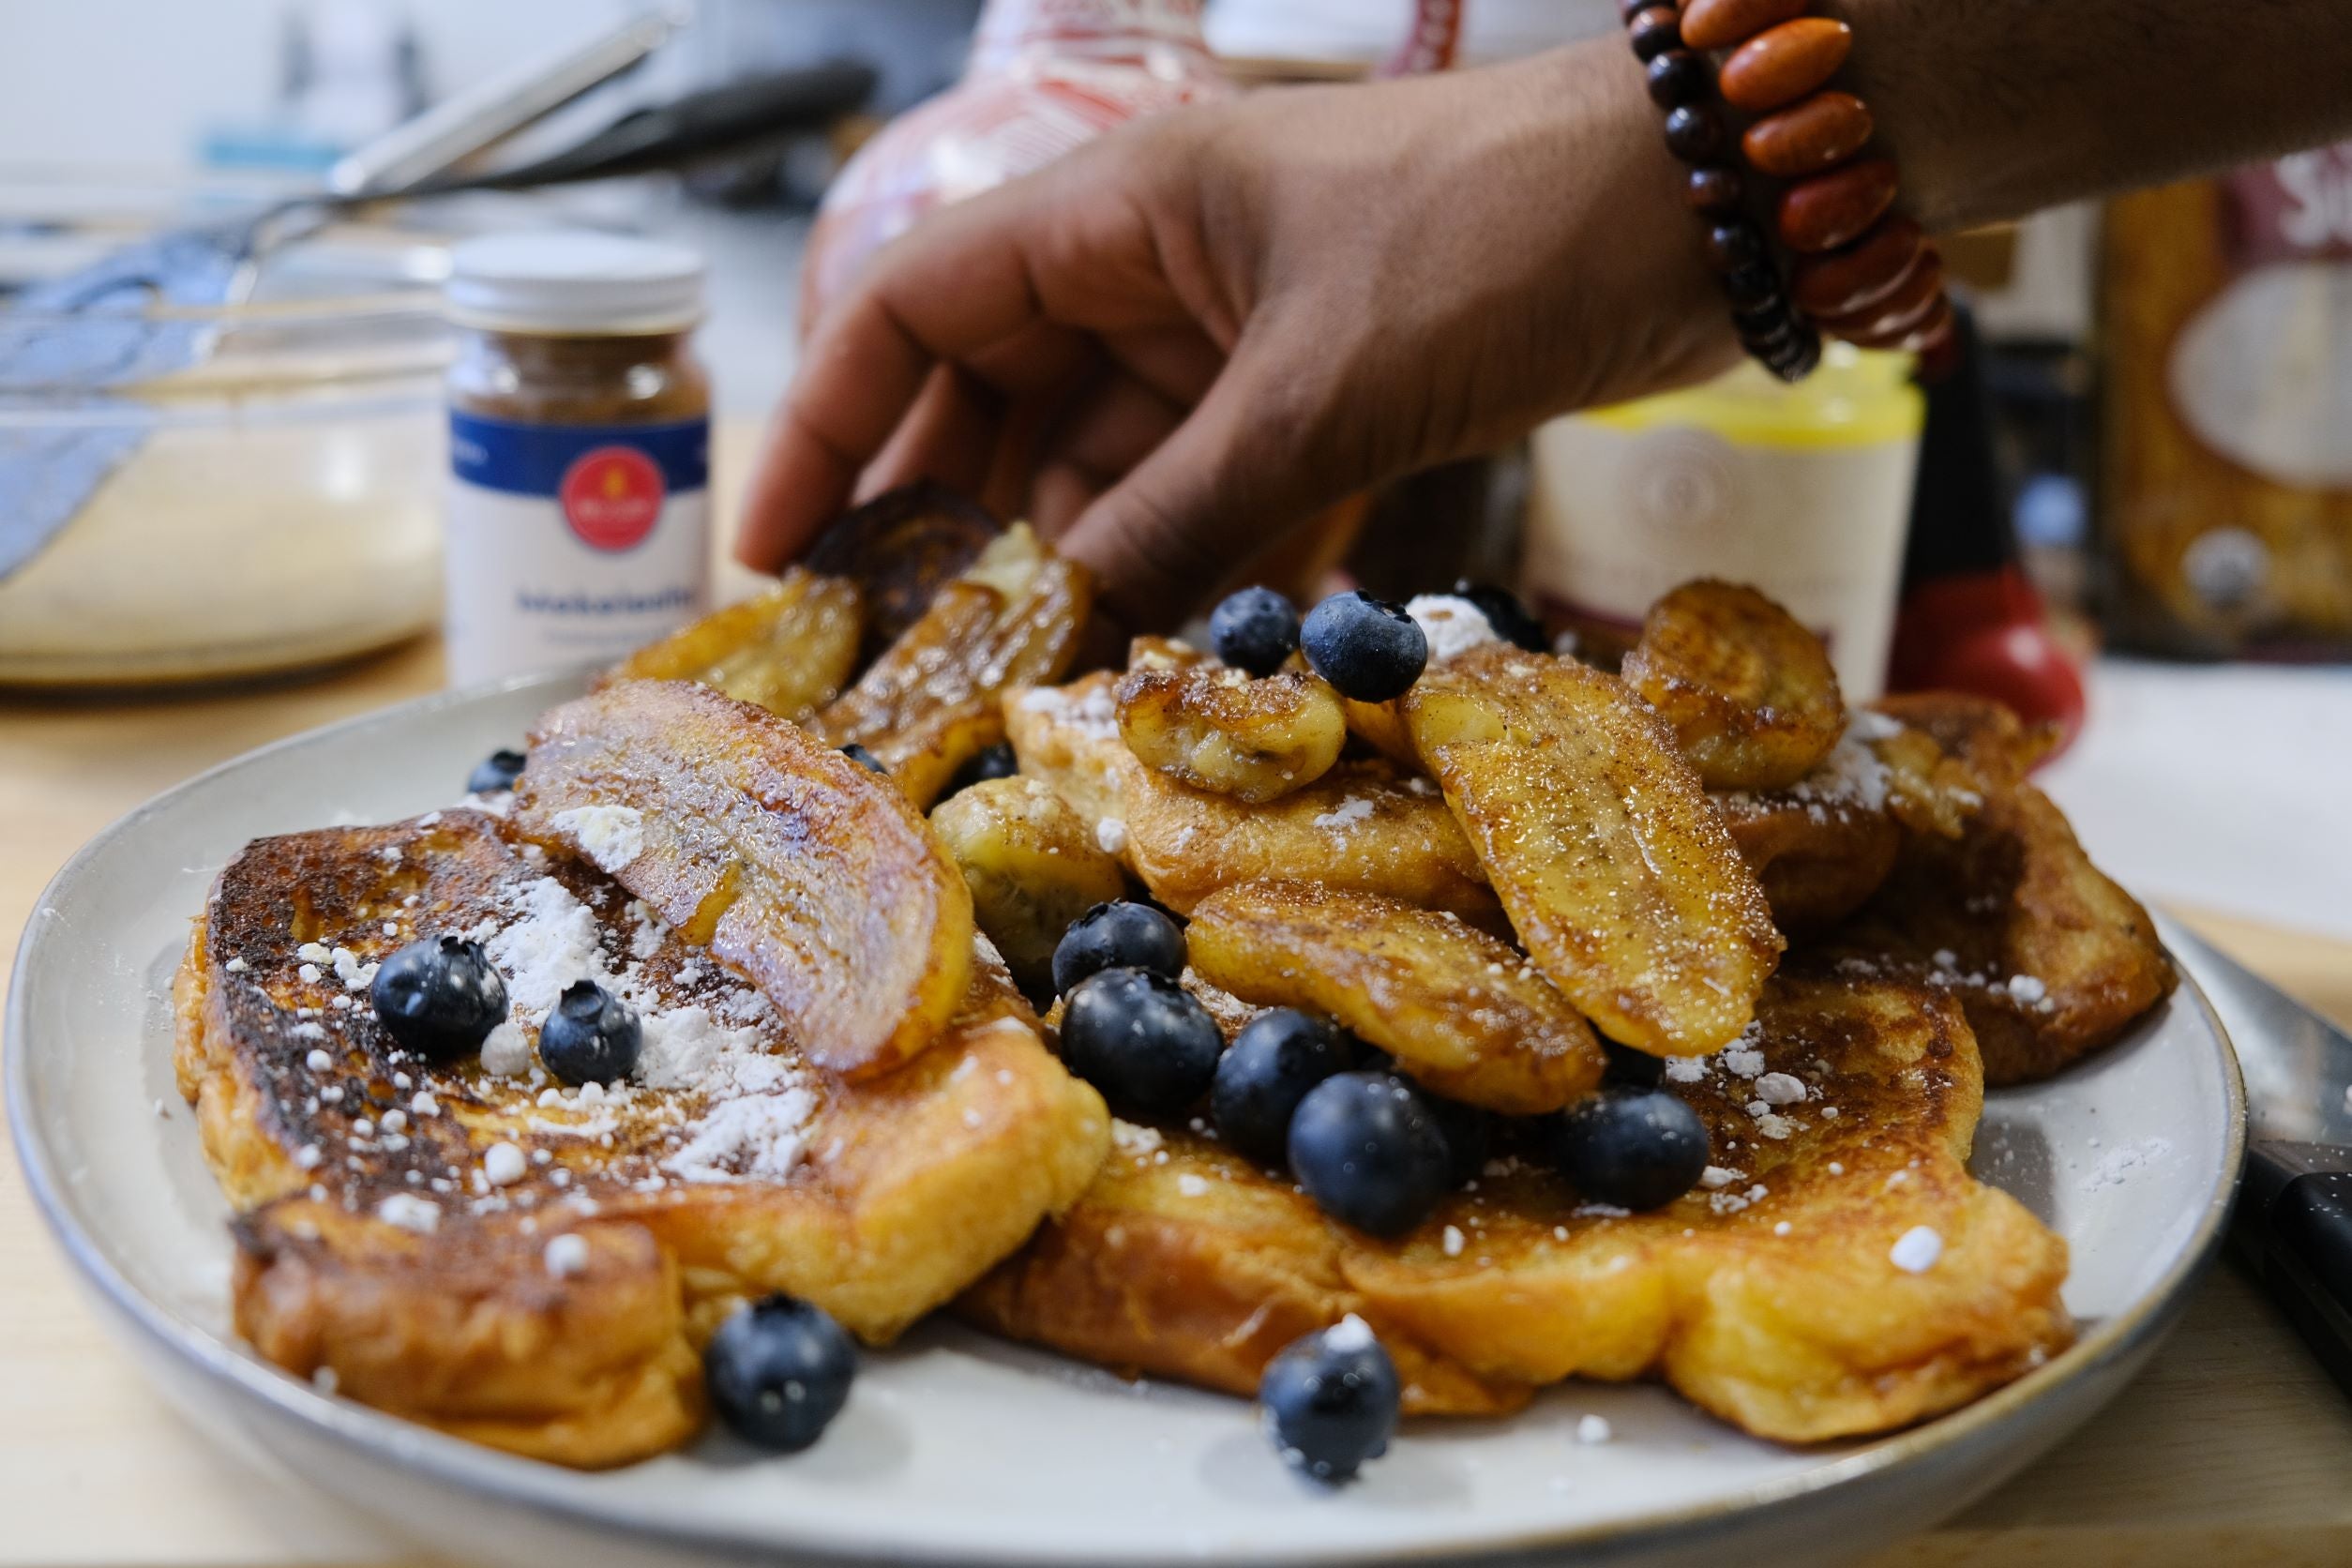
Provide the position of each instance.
(574, 281)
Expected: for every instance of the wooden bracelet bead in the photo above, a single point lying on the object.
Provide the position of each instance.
(1655, 30)
(1843, 281)
(1678, 77)
(1800, 360)
(1695, 133)
(1752, 287)
(1733, 244)
(1905, 306)
(1818, 133)
(1832, 209)
(1715, 191)
(1777, 67)
(1712, 24)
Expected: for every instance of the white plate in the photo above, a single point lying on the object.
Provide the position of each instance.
(955, 1447)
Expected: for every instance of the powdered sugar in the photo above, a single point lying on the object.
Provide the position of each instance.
(1347, 814)
(610, 836)
(1451, 623)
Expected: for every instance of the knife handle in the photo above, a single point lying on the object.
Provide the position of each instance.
(2295, 1225)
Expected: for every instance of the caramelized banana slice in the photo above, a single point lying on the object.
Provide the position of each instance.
(1750, 693)
(1213, 727)
(900, 549)
(1615, 868)
(795, 866)
(1459, 1010)
(1033, 866)
(790, 649)
(931, 702)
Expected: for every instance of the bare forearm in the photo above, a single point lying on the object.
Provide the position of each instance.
(1996, 108)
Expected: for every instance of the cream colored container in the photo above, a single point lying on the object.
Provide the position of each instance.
(1803, 492)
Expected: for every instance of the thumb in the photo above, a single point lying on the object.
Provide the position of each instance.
(1227, 483)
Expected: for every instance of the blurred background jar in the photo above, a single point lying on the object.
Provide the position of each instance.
(1803, 492)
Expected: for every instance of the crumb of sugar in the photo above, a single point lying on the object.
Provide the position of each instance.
(1594, 1429)
(1350, 1334)
(1450, 624)
(566, 1255)
(609, 836)
(1916, 1250)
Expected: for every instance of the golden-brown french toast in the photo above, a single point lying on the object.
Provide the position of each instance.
(1836, 1273)
(536, 1267)
(1366, 826)
(1618, 873)
(2051, 958)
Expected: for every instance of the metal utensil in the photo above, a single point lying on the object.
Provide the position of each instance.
(2293, 1220)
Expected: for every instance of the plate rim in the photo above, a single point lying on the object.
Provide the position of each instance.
(511, 1481)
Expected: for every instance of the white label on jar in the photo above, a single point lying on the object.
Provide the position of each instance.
(571, 545)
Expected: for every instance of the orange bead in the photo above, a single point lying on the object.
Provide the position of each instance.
(1820, 133)
(1862, 275)
(1777, 68)
(1832, 209)
(1901, 311)
(1721, 23)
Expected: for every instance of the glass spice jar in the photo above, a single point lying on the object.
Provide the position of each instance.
(578, 520)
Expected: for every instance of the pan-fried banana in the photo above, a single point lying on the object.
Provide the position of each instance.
(1216, 728)
(1750, 693)
(900, 549)
(789, 648)
(1459, 1010)
(931, 702)
(795, 866)
(1033, 866)
(1616, 869)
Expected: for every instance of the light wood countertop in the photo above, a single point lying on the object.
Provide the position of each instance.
(2232, 1448)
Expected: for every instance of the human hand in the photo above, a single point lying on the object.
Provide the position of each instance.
(1181, 341)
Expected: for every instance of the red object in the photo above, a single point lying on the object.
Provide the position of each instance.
(611, 497)
(1986, 634)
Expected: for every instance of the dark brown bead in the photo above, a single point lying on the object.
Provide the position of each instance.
(1832, 209)
(1722, 23)
(1695, 133)
(1752, 287)
(1733, 245)
(1908, 305)
(1820, 133)
(1782, 66)
(1715, 191)
(1655, 30)
(1799, 360)
(1763, 318)
(1862, 273)
(1678, 77)
(1628, 10)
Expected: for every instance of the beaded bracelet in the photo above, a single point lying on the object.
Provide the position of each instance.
(1860, 272)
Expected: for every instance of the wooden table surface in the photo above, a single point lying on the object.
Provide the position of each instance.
(2231, 1449)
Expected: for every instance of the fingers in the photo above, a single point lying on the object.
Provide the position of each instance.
(1219, 489)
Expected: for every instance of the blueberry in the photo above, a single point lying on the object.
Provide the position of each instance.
(1123, 935)
(778, 1372)
(1140, 1038)
(1369, 1151)
(1506, 615)
(1330, 1401)
(1367, 649)
(495, 774)
(865, 758)
(1254, 630)
(1275, 1058)
(1469, 1134)
(590, 1036)
(997, 762)
(1635, 1067)
(439, 997)
(1636, 1148)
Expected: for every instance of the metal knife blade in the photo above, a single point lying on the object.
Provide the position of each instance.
(2293, 1220)
(2297, 1065)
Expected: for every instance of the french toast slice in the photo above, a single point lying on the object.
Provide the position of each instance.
(403, 1227)
(1838, 1272)
(2052, 959)
(1366, 826)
